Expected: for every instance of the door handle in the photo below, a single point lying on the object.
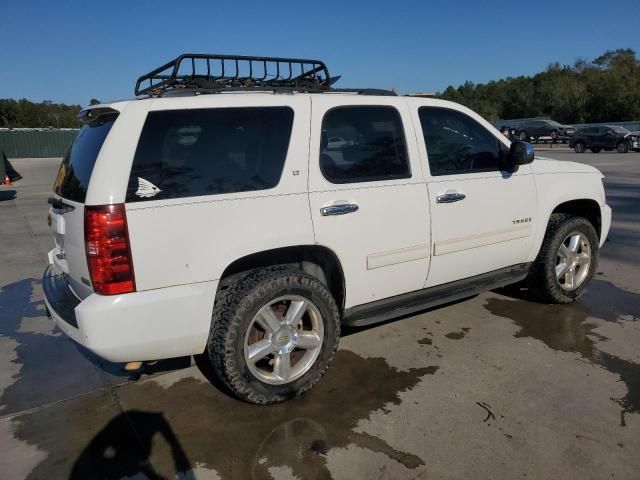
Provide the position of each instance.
(450, 197)
(340, 209)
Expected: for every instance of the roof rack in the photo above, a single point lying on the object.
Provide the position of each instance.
(212, 73)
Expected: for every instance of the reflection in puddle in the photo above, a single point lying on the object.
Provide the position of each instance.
(236, 439)
(565, 328)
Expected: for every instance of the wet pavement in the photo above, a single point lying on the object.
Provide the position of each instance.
(497, 386)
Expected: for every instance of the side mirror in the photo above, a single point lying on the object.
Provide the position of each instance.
(520, 153)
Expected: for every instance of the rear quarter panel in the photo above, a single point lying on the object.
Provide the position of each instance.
(189, 240)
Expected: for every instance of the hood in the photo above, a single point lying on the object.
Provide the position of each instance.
(543, 165)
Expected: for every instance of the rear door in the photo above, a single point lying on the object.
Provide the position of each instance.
(482, 218)
(67, 203)
(368, 197)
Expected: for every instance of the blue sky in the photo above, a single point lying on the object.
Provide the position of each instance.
(73, 51)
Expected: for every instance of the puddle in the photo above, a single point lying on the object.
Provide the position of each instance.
(44, 364)
(191, 423)
(565, 328)
(455, 335)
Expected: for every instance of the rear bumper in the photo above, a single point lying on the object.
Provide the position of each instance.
(150, 325)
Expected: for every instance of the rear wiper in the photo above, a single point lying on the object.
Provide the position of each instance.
(58, 204)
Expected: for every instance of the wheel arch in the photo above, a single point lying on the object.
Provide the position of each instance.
(586, 207)
(318, 261)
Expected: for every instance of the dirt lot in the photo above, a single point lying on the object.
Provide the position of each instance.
(492, 387)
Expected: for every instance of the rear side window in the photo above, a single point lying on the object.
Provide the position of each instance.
(363, 144)
(75, 172)
(458, 144)
(187, 153)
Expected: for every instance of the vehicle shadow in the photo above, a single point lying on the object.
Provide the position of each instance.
(7, 195)
(115, 452)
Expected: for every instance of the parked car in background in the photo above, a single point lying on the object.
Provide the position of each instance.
(535, 129)
(603, 137)
(634, 140)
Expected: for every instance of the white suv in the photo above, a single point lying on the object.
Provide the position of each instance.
(215, 216)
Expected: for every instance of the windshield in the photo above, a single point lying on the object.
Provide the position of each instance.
(75, 172)
(619, 129)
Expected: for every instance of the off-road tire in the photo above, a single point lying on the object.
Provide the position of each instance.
(234, 309)
(542, 281)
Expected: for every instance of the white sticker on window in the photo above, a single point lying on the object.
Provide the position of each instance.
(146, 189)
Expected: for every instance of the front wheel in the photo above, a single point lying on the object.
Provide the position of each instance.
(567, 259)
(274, 333)
(622, 147)
(579, 147)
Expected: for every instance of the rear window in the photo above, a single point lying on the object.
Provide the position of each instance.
(75, 172)
(187, 153)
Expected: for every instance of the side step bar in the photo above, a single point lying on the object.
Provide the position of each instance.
(408, 303)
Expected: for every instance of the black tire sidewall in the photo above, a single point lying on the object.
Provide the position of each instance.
(230, 364)
(622, 147)
(572, 224)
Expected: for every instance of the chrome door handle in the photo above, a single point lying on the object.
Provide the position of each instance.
(341, 209)
(450, 197)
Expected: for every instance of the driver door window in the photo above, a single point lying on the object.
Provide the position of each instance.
(458, 144)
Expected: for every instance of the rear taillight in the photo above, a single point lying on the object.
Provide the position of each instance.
(106, 240)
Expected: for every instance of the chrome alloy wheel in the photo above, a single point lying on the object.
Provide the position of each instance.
(573, 261)
(284, 339)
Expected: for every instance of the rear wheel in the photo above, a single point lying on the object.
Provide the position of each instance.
(567, 259)
(274, 333)
(595, 150)
(579, 147)
(622, 147)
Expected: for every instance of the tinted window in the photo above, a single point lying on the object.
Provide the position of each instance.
(363, 144)
(458, 144)
(75, 172)
(619, 129)
(186, 153)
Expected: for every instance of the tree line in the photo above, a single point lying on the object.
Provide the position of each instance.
(23, 113)
(606, 89)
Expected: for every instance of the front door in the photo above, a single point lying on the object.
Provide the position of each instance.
(482, 218)
(368, 195)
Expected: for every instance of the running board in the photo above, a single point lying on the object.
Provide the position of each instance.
(408, 303)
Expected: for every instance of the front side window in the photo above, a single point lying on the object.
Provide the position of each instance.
(186, 153)
(457, 144)
(363, 144)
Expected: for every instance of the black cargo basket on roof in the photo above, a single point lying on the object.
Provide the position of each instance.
(216, 72)
(212, 73)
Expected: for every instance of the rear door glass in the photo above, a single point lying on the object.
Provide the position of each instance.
(363, 144)
(187, 153)
(73, 177)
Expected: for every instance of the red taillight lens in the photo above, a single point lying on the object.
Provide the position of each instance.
(106, 240)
